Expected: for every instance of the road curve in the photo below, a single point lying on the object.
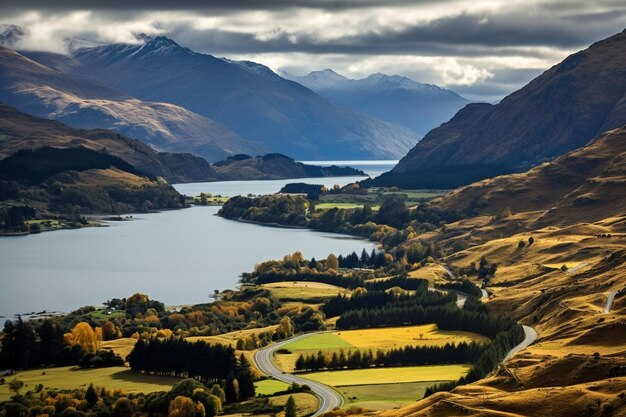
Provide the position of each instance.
(329, 399)
(530, 335)
(609, 301)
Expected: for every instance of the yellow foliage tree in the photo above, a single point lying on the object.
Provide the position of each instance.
(185, 407)
(82, 334)
(285, 327)
(332, 262)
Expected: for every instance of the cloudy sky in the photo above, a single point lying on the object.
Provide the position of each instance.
(483, 49)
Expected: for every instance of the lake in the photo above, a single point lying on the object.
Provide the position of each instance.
(178, 257)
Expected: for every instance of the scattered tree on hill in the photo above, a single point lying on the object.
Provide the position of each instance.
(91, 395)
(531, 240)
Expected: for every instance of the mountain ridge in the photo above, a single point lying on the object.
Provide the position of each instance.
(393, 98)
(555, 113)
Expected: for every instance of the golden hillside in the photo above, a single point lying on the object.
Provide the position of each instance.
(575, 210)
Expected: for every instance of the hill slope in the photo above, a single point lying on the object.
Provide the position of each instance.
(557, 112)
(391, 98)
(19, 131)
(42, 84)
(275, 167)
(247, 97)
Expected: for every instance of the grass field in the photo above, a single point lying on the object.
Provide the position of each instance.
(121, 346)
(72, 377)
(307, 292)
(389, 375)
(384, 396)
(383, 338)
(231, 337)
(306, 404)
(270, 386)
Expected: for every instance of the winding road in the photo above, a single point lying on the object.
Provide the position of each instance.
(329, 399)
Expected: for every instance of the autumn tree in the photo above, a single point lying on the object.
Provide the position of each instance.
(219, 393)
(285, 328)
(83, 335)
(231, 389)
(182, 406)
(332, 262)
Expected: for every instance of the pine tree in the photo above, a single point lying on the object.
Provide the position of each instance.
(91, 395)
(244, 376)
(290, 407)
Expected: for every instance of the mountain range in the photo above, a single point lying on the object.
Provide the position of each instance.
(177, 100)
(559, 111)
(392, 98)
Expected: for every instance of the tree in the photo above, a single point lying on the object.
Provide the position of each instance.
(123, 407)
(16, 385)
(212, 404)
(232, 389)
(244, 376)
(531, 241)
(285, 328)
(332, 262)
(218, 392)
(91, 395)
(84, 336)
(290, 407)
(185, 407)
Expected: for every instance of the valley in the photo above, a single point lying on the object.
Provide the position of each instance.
(230, 239)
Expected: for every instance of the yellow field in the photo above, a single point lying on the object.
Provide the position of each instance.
(270, 386)
(390, 375)
(304, 291)
(380, 338)
(384, 396)
(393, 337)
(72, 377)
(306, 404)
(121, 346)
(231, 338)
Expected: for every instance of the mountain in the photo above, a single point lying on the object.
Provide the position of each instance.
(584, 185)
(391, 98)
(247, 97)
(275, 167)
(555, 113)
(43, 84)
(20, 131)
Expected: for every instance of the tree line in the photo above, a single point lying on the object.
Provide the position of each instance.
(464, 286)
(407, 312)
(199, 360)
(406, 356)
(376, 300)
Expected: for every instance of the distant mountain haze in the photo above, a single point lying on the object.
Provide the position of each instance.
(45, 85)
(247, 97)
(392, 98)
(555, 113)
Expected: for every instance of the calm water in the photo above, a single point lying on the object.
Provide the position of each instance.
(178, 257)
(232, 188)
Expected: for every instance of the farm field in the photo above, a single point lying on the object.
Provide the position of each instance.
(306, 404)
(231, 337)
(383, 396)
(304, 291)
(270, 386)
(390, 375)
(382, 338)
(68, 377)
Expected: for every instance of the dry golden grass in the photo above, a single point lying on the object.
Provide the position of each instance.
(121, 346)
(389, 375)
(394, 337)
(306, 404)
(231, 338)
(306, 292)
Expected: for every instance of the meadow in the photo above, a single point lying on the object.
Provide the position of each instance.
(383, 396)
(374, 339)
(71, 377)
(390, 375)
